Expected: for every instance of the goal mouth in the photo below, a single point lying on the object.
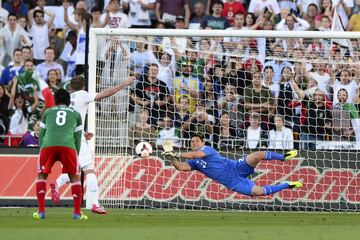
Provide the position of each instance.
(242, 91)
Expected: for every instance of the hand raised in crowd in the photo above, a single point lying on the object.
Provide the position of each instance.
(142, 3)
(130, 80)
(23, 40)
(107, 9)
(328, 11)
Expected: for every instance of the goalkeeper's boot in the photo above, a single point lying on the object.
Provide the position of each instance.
(295, 185)
(55, 195)
(98, 209)
(39, 215)
(80, 216)
(290, 154)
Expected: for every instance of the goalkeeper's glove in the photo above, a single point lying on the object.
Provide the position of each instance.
(171, 154)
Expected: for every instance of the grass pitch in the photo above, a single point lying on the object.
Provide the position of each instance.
(177, 224)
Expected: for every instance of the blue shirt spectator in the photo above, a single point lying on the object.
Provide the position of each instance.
(9, 73)
(13, 69)
(17, 7)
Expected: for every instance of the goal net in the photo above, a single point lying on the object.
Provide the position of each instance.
(243, 91)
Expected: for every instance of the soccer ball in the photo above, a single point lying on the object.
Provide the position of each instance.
(143, 149)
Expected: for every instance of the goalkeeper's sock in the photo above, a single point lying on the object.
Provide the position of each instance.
(275, 188)
(274, 156)
(40, 193)
(77, 196)
(62, 180)
(92, 188)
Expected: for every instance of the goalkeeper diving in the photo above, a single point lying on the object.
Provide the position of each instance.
(232, 174)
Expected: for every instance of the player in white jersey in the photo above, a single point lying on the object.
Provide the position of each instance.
(80, 100)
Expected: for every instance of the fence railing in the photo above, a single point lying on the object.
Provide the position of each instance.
(6, 140)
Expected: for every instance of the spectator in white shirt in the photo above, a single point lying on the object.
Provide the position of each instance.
(169, 132)
(304, 4)
(26, 53)
(268, 81)
(280, 137)
(3, 15)
(49, 63)
(344, 8)
(81, 17)
(236, 43)
(319, 75)
(255, 134)
(139, 12)
(139, 58)
(279, 63)
(289, 4)
(20, 116)
(345, 81)
(292, 23)
(257, 6)
(39, 30)
(310, 13)
(12, 36)
(167, 68)
(117, 18)
(96, 15)
(325, 24)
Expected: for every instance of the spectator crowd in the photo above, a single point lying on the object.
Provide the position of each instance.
(235, 91)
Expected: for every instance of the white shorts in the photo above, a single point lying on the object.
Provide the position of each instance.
(85, 159)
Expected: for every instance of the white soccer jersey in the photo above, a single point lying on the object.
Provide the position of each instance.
(80, 102)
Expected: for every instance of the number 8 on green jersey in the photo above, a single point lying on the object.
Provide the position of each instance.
(59, 139)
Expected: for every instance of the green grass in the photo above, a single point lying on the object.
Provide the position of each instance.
(177, 224)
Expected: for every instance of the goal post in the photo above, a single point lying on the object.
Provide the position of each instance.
(240, 114)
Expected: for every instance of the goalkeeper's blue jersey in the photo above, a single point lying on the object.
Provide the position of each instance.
(219, 168)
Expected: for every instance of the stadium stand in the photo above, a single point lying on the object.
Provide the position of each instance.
(227, 98)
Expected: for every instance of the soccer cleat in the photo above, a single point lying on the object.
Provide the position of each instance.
(98, 209)
(80, 216)
(55, 195)
(39, 215)
(294, 185)
(290, 154)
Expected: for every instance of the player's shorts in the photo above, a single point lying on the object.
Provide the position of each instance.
(244, 169)
(67, 156)
(85, 159)
(242, 184)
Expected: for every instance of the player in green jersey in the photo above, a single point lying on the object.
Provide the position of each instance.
(59, 140)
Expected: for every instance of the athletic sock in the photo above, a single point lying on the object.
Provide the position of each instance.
(40, 193)
(77, 196)
(62, 180)
(275, 188)
(274, 156)
(92, 188)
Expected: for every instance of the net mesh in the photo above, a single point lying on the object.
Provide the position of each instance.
(242, 95)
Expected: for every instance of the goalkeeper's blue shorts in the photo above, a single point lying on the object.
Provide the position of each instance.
(241, 183)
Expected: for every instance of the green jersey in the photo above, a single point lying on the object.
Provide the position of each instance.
(350, 107)
(61, 126)
(26, 84)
